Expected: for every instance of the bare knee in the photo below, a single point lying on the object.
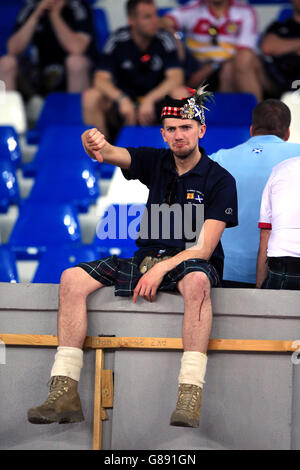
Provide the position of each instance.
(8, 65)
(92, 99)
(244, 60)
(196, 286)
(75, 282)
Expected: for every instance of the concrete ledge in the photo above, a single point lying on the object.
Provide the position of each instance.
(250, 400)
(245, 302)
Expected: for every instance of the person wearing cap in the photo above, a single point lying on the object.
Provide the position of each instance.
(181, 176)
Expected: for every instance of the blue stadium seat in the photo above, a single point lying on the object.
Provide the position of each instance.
(9, 188)
(9, 145)
(41, 225)
(60, 144)
(163, 11)
(217, 137)
(8, 14)
(59, 109)
(8, 267)
(230, 109)
(120, 224)
(284, 14)
(139, 136)
(101, 26)
(74, 183)
(56, 259)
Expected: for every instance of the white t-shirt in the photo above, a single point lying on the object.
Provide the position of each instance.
(280, 209)
(236, 29)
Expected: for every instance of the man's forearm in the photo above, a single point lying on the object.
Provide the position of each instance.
(276, 46)
(261, 269)
(184, 255)
(72, 42)
(21, 39)
(165, 87)
(208, 239)
(117, 156)
(261, 266)
(104, 84)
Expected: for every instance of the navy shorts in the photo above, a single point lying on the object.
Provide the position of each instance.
(124, 274)
(279, 280)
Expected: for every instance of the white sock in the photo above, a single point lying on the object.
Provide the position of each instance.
(68, 362)
(193, 368)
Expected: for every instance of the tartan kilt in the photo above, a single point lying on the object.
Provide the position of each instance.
(124, 273)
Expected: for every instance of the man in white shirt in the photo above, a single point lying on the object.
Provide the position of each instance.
(278, 262)
(222, 36)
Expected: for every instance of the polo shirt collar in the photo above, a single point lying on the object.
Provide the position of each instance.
(199, 169)
(266, 138)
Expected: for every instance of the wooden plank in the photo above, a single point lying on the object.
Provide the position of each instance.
(35, 340)
(107, 389)
(97, 440)
(154, 343)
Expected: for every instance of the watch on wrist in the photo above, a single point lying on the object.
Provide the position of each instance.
(120, 97)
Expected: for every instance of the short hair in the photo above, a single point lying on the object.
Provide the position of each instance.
(271, 117)
(131, 5)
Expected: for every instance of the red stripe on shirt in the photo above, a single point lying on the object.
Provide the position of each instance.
(264, 225)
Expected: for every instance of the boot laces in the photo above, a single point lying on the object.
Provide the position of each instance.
(58, 386)
(188, 398)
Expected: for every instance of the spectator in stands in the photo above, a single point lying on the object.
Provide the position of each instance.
(222, 36)
(250, 164)
(278, 261)
(61, 33)
(281, 46)
(180, 176)
(138, 67)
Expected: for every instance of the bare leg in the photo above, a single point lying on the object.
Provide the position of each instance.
(226, 77)
(78, 67)
(197, 320)
(95, 107)
(9, 71)
(75, 287)
(247, 73)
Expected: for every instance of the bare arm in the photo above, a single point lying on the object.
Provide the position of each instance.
(275, 46)
(103, 81)
(21, 38)
(262, 267)
(210, 236)
(96, 146)
(169, 25)
(173, 80)
(72, 42)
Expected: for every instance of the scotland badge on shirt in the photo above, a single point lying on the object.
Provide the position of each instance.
(257, 150)
(194, 196)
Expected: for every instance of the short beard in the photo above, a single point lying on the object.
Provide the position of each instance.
(186, 155)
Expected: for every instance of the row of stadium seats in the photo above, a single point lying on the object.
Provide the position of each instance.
(50, 233)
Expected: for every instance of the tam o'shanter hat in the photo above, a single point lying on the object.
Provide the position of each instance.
(187, 108)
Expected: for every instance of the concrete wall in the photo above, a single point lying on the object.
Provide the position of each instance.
(250, 400)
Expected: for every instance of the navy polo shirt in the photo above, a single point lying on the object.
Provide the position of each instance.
(134, 71)
(207, 184)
